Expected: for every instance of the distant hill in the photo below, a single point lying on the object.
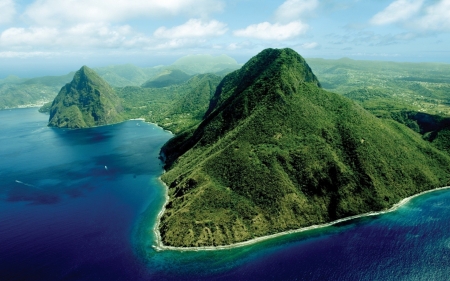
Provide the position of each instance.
(195, 101)
(51, 81)
(126, 75)
(193, 64)
(167, 78)
(21, 92)
(85, 102)
(388, 86)
(12, 79)
(276, 152)
(175, 108)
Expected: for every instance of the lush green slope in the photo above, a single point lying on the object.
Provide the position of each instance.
(176, 108)
(382, 87)
(126, 75)
(414, 94)
(46, 107)
(85, 102)
(50, 81)
(276, 152)
(167, 78)
(434, 128)
(18, 92)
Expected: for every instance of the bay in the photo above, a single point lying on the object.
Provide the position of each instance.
(82, 204)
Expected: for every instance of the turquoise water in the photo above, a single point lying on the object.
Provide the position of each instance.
(81, 205)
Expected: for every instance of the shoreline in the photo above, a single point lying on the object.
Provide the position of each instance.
(157, 125)
(112, 124)
(23, 106)
(161, 247)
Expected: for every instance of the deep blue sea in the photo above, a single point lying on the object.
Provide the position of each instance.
(81, 205)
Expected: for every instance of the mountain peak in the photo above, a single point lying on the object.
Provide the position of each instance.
(279, 62)
(87, 74)
(266, 79)
(85, 102)
(86, 71)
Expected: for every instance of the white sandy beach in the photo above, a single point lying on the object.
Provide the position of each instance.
(159, 246)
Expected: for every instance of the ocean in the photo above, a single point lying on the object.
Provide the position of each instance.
(82, 204)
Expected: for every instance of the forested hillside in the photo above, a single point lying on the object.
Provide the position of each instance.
(277, 152)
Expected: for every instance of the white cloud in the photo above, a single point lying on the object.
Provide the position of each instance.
(78, 36)
(179, 43)
(28, 36)
(277, 31)
(46, 12)
(287, 23)
(90, 36)
(240, 45)
(414, 14)
(191, 29)
(234, 46)
(437, 17)
(398, 10)
(98, 35)
(7, 11)
(310, 45)
(292, 9)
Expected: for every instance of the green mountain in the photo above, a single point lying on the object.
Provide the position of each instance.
(12, 79)
(199, 91)
(21, 92)
(50, 81)
(126, 75)
(166, 78)
(85, 102)
(176, 107)
(276, 152)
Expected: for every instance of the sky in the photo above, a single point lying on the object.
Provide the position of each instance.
(54, 37)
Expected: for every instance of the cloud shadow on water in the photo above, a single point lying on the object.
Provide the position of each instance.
(83, 136)
(52, 184)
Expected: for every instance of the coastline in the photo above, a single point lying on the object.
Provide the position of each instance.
(112, 124)
(159, 246)
(157, 125)
(21, 106)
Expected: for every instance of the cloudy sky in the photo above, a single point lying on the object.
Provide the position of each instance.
(49, 37)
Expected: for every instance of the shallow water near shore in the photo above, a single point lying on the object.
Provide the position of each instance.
(81, 205)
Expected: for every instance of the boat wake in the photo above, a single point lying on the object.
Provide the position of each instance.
(27, 184)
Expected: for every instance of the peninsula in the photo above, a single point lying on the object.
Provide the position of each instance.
(276, 152)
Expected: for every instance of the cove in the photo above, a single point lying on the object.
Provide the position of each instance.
(81, 205)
